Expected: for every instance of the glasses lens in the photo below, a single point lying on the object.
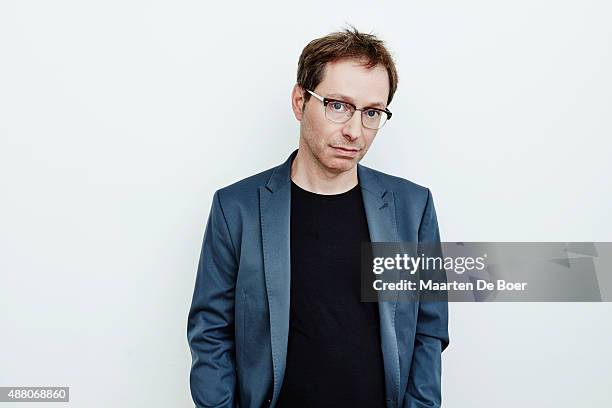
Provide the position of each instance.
(338, 112)
(373, 119)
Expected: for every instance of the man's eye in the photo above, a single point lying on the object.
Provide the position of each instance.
(339, 106)
(372, 113)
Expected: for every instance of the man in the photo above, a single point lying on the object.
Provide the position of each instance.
(276, 317)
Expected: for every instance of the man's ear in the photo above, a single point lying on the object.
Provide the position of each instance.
(297, 101)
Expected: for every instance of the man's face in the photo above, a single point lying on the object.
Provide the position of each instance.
(338, 147)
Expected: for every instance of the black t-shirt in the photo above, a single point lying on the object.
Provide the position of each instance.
(334, 356)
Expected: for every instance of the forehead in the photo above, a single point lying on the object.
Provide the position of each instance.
(360, 85)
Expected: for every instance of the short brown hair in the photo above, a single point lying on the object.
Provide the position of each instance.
(339, 45)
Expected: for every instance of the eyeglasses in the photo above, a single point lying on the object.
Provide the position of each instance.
(340, 112)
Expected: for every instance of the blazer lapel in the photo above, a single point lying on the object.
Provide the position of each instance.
(380, 212)
(275, 212)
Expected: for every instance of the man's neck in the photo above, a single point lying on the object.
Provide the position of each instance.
(308, 173)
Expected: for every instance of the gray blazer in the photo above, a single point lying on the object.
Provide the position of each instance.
(239, 317)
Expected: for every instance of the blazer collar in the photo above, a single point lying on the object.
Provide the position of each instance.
(369, 181)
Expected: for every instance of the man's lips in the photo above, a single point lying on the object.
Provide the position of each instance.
(347, 149)
(348, 152)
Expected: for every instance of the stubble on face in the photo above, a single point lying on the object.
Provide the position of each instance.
(319, 136)
(319, 149)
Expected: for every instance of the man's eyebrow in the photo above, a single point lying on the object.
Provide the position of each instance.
(349, 99)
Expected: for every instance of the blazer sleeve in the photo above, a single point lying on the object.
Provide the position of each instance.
(210, 326)
(424, 380)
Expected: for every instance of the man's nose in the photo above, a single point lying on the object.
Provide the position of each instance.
(353, 128)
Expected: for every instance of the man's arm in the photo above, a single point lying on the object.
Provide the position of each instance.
(424, 380)
(210, 327)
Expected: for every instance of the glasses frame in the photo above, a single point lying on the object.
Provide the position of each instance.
(328, 100)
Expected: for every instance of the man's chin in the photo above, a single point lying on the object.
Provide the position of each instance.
(340, 165)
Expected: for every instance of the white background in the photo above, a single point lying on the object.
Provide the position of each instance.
(119, 119)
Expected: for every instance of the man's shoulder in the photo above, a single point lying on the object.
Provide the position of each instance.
(246, 187)
(399, 185)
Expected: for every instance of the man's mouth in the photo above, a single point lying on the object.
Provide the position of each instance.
(346, 151)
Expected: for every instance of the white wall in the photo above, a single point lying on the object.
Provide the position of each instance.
(119, 119)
